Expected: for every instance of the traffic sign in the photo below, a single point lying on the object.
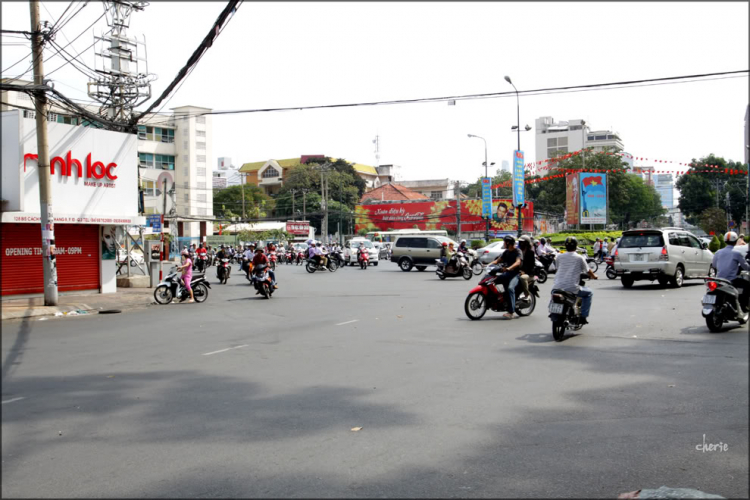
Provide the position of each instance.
(154, 222)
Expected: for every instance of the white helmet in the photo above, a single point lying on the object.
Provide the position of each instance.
(730, 237)
(463, 241)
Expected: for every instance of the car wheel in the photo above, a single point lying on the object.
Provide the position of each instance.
(678, 278)
(627, 281)
(405, 265)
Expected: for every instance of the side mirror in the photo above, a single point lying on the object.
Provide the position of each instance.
(704, 245)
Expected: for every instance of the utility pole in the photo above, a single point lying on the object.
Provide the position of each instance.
(292, 191)
(242, 187)
(45, 185)
(163, 213)
(304, 204)
(458, 210)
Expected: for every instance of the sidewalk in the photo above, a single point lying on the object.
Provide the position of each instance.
(77, 303)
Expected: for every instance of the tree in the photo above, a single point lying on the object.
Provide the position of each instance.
(228, 202)
(702, 186)
(713, 220)
(714, 246)
(475, 190)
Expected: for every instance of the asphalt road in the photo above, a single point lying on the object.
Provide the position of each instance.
(245, 397)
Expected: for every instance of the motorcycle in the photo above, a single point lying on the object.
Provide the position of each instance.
(338, 257)
(591, 261)
(565, 311)
(201, 262)
(171, 288)
(489, 294)
(610, 271)
(300, 257)
(261, 281)
(272, 258)
(456, 267)
(540, 272)
(721, 302)
(476, 266)
(364, 259)
(223, 269)
(312, 266)
(290, 254)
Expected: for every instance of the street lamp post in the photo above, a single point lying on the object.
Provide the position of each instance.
(486, 166)
(518, 130)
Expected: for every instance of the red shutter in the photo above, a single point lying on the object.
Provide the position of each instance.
(77, 268)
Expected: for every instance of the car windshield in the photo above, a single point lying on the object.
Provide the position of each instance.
(639, 240)
(356, 244)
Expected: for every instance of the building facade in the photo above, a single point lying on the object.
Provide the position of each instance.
(226, 174)
(664, 184)
(434, 189)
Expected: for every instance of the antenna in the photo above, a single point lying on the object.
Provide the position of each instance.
(123, 82)
(376, 141)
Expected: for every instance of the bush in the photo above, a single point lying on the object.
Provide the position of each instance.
(477, 244)
(715, 245)
(583, 237)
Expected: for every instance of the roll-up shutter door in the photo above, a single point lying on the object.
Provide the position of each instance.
(77, 250)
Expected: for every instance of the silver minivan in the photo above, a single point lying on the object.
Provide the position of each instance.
(668, 255)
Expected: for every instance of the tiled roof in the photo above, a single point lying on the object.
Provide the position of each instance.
(391, 192)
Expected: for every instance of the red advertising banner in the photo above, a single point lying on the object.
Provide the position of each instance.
(432, 215)
(572, 199)
(298, 228)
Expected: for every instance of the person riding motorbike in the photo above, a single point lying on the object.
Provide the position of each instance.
(248, 257)
(187, 273)
(321, 252)
(199, 253)
(462, 248)
(528, 263)
(545, 253)
(361, 251)
(570, 266)
(728, 263)
(444, 253)
(453, 257)
(510, 264)
(259, 259)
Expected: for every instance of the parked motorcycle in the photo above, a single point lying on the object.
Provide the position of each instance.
(565, 311)
(721, 302)
(489, 294)
(456, 267)
(364, 259)
(171, 288)
(261, 281)
(312, 266)
(223, 269)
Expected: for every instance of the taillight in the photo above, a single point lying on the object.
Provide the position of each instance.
(616, 256)
(486, 251)
(712, 285)
(664, 254)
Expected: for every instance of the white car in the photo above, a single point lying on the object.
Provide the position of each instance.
(350, 251)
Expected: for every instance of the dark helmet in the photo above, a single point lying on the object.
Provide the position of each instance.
(571, 243)
(543, 241)
(509, 240)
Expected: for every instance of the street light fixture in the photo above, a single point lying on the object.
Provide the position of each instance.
(487, 227)
(518, 131)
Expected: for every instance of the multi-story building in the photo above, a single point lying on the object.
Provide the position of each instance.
(554, 139)
(435, 189)
(226, 174)
(175, 148)
(664, 184)
(645, 173)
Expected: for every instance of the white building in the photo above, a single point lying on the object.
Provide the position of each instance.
(554, 139)
(435, 189)
(175, 148)
(226, 174)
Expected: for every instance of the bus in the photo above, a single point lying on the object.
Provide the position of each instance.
(378, 238)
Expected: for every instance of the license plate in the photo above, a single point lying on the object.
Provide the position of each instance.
(709, 299)
(638, 257)
(555, 308)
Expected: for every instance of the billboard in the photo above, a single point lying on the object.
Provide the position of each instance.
(298, 228)
(431, 215)
(486, 197)
(519, 185)
(593, 189)
(572, 199)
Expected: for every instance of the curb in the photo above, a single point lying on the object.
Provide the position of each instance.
(23, 312)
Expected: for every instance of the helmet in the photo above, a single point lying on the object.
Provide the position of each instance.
(730, 238)
(259, 249)
(185, 252)
(222, 246)
(445, 243)
(463, 241)
(543, 241)
(571, 243)
(509, 240)
(526, 238)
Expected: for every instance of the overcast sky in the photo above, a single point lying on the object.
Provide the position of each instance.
(297, 54)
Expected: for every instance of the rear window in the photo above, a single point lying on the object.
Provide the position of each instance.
(639, 240)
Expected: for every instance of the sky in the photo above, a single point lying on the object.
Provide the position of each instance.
(282, 54)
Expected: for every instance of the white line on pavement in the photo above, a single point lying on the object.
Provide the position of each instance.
(347, 322)
(225, 350)
(14, 399)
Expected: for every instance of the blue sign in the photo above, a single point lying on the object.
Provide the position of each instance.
(486, 197)
(154, 222)
(519, 186)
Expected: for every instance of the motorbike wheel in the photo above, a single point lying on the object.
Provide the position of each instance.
(611, 274)
(526, 311)
(310, 267)
(264, 290)
(332, 266)
(475, 306)
(714, 322)
(468, 273)
(541, 277)
(163, 294)
(441, 276)
(200, 293)
(594, 266)
(558, 330)
(477, 267)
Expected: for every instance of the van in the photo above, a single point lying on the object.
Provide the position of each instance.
(418, 251)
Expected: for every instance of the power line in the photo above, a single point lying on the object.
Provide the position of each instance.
(61, 15)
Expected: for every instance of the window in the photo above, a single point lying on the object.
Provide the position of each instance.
(562, 141)
(433, 244)
(68, 120)
(639, 240)
(201, 185)
(404, 242)
(600, 138)
(201, 197)
(201, 171)
(436, 195)
(200, 133)
(186, 197)
(186, 185)
(29, 114)
(146, 160)
(200, 146)
(185, 157)
(590, 138)
(552, 141)
(164, 135)
(164, 162)
(674, 239)
(185, 145)
(51, 117)
(200, 158)
(693, 241)
(576, 127)
(141, 132)
(270, 173)
(148, 188)
(202, 211)
(201, 120)
(554, 152)
(419, 242)
(186, 171)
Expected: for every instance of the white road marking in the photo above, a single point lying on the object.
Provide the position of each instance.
(225, 350)
(14, 399)
(347, 322)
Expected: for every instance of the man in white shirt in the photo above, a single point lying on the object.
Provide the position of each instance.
(597, 248)
(570, 266)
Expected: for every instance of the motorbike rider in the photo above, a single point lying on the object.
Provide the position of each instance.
(728, 263)
(259, 259)
(200, 253)
(570, 266)
(462, 248)
(321, 252)
(187, 273)
(361, 251)
(248, 257)
(444, 253)
(510, 265)
(452, 256)
(545, 254)
(528, 263)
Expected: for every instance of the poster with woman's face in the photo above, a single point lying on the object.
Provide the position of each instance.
(109, 242)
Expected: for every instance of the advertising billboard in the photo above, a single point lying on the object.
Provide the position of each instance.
(572, 199)
(519, 185)
(593, 189)
(431, 215)
(298, 228)
(486, 197)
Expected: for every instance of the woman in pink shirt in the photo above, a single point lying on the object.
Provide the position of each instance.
(187, 273)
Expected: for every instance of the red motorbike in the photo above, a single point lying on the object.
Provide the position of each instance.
(300, 258)
(202, 262)
(272, 260)
(364, 259)
(290, 254)
(611, 273)
(489, 294)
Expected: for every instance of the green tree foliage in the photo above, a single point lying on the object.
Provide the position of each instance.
(699, 189)
(475, 190)
(228, 202)
(713, 220)
(714, 246)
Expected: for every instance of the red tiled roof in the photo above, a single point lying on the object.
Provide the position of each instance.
(392, 192)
